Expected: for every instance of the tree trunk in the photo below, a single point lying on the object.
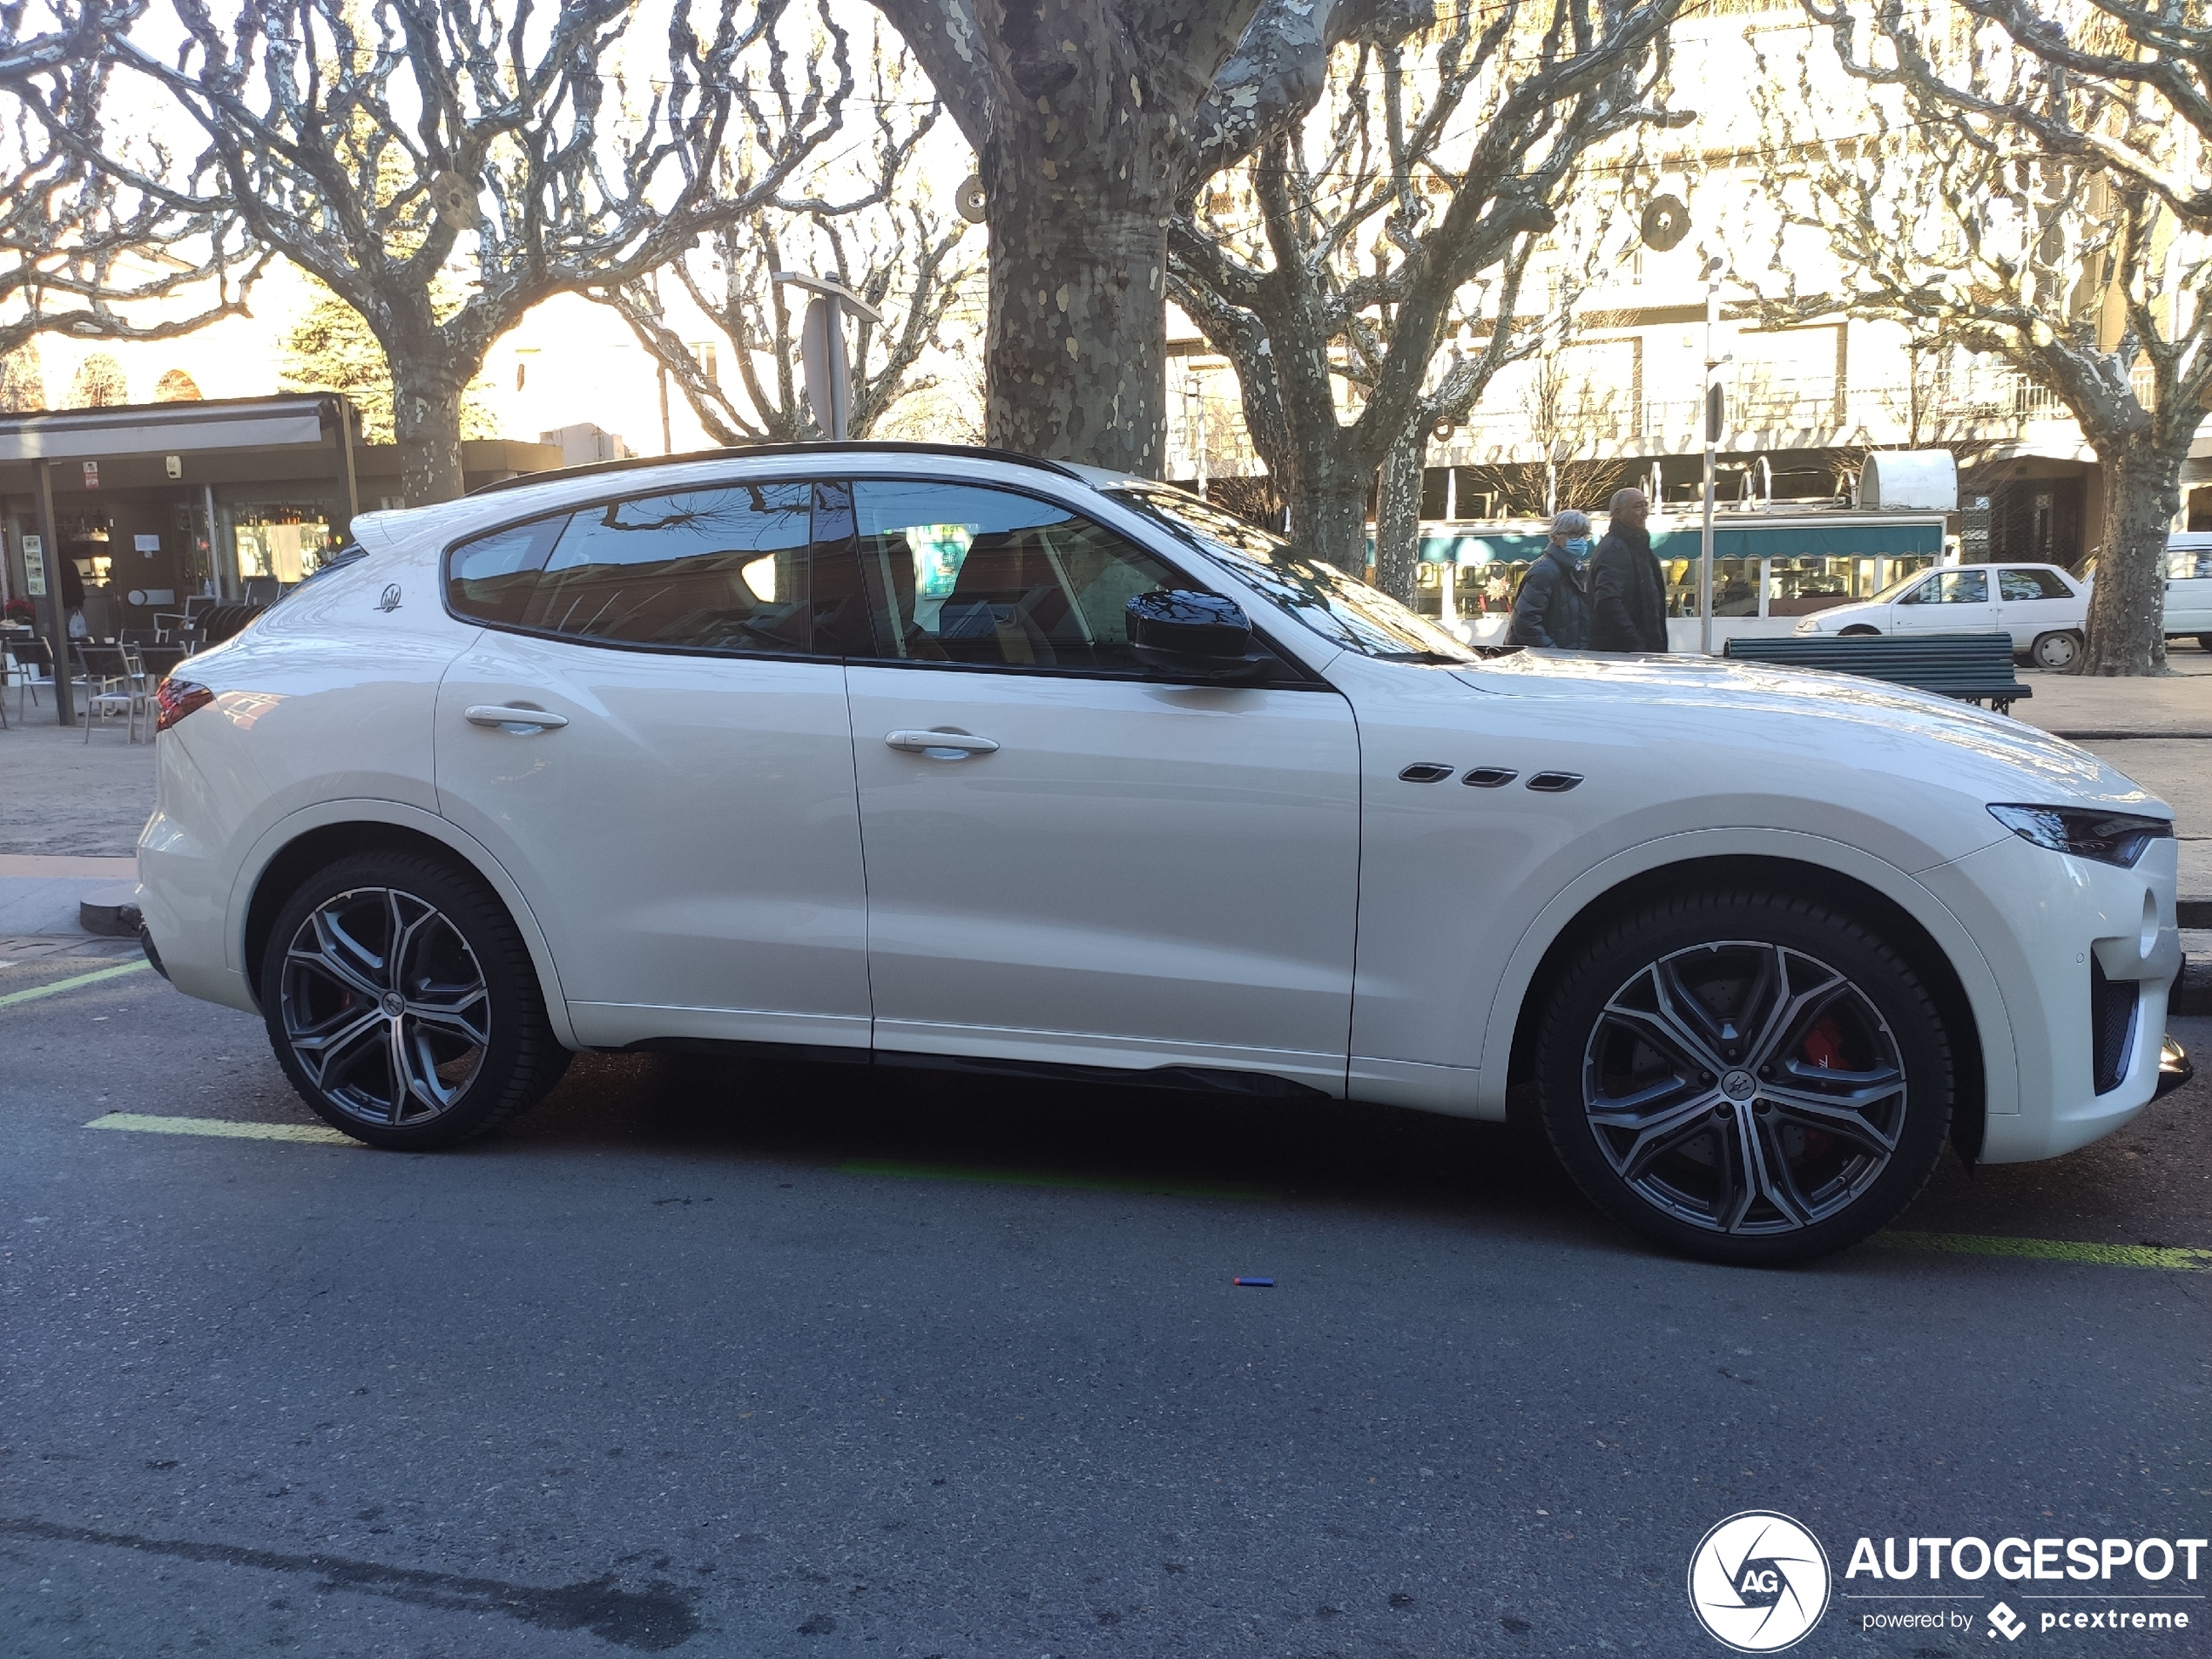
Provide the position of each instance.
(1398, 517)
(426, 422)
(1077, 208)
(2127, 608)
(1327, 512)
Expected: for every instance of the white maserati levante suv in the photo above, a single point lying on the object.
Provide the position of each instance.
(959, 758)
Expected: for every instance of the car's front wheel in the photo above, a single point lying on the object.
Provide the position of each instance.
(2056, 651)
(1859, 631)
(402, 1005)
(1745, 1077)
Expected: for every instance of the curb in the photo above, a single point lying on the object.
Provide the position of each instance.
(111, 911)
(2192, 992)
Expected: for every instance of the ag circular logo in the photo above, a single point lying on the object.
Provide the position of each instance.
(1758, 1581)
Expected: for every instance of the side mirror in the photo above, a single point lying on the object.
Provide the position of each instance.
(1199, 635)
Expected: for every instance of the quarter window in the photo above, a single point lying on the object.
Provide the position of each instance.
(957, 573)
(2032, 585)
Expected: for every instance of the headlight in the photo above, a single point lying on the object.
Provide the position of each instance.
(2110, 837)
(1809, 625)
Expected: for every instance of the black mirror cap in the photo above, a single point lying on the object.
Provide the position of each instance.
(1183, 632)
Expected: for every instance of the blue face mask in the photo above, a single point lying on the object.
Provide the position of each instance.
(1578, 549)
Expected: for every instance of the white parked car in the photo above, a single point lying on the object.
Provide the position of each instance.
(2188, 586)
(945, 754)
(2041, 606)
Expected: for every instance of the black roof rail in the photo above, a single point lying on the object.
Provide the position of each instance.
(857, 446)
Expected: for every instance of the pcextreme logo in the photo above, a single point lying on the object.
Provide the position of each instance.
(1758, 1581)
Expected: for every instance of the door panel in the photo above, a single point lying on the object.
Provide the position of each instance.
(688, 836)
(1950, 602)
(1137, 868)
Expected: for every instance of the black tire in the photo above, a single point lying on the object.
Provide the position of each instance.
(1815, 988)
(2056, 652)
(1859, 631)
(2204, 641)
(424, 1048)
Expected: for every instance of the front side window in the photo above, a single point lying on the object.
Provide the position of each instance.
(720, 569)
(1343, 609)
(2032, 585)
(962, 573)
(2188, 563)
(1958, 588)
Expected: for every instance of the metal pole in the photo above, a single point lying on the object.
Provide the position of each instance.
(352, 473)
(50, 537)
(1705, 414)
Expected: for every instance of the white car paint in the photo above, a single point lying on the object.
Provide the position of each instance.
(1143, 875)
(2188, 584)
(2026, 600)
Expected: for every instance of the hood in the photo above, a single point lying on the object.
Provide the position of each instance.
(2006, 758)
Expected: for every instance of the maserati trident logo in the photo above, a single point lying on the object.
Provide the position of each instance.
(391, 597)
(1758, 1581)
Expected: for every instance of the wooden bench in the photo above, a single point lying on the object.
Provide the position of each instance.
(1974, 668)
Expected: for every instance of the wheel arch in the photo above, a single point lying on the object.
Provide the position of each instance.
(307, 841)
(1946, 958)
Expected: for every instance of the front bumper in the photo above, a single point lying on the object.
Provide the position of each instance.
(2050, 926)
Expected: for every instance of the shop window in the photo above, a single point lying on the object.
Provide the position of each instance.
(285, 542)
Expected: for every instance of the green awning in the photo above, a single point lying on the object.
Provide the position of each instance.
(1832, 540)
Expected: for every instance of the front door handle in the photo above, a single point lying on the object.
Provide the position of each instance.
(494, 715)
(941, 746)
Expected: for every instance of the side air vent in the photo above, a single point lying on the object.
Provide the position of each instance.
(1554, 783)
(1425, 771)
(1488, 778)
(2112, 1025)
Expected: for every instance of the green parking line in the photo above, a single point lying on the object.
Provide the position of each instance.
(1048, 1178)
(60, 985)
(2052, 1250)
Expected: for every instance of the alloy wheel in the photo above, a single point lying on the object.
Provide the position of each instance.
(385, 1006)
(1743, 1087)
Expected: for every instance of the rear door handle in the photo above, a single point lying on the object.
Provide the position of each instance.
(941, 746)
(494, 715)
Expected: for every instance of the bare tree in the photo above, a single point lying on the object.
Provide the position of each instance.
(1963, 227)
(1092, 121)
(888, 241)
(81, 254)
(1437, 155)
(1572, 415)
(384, 146)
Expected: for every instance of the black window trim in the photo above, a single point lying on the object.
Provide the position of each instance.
(1301, 679)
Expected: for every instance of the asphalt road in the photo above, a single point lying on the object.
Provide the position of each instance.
(677, 1365)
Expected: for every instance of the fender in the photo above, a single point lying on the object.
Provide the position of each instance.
(325, 814)
(1984, 995)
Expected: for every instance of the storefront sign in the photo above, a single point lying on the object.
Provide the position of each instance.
(92, 474)
(34, 566)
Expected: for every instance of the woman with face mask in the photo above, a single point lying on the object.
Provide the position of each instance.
(1554, 608)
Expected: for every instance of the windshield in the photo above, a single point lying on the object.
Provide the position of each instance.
(1895, 587)
(1341, 609)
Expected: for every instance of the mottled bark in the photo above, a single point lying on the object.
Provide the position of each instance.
(2128, 607)
(1076, 352)
(425, 424)
(1326, 514)
(1398, 516)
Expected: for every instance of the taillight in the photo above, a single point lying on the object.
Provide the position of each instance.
(178, 698)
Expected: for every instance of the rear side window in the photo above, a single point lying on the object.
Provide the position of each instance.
(720, 570)
(2188, 563)
(2033, 584)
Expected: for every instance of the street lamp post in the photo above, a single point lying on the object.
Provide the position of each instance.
(1710, 414)
(821, 347)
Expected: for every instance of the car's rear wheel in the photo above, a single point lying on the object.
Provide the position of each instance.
(403, 1004)
(2056, 651)
(2204, 641)
(1745, 1077)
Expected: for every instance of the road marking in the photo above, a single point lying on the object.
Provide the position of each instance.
(2173, 1260)
(1048, 1178)
(60, 985)
(225, 1127)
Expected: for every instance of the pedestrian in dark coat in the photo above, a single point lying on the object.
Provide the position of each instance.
(1628, 588)
(1554, 607)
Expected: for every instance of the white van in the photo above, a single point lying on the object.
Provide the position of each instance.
(2188, 586)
